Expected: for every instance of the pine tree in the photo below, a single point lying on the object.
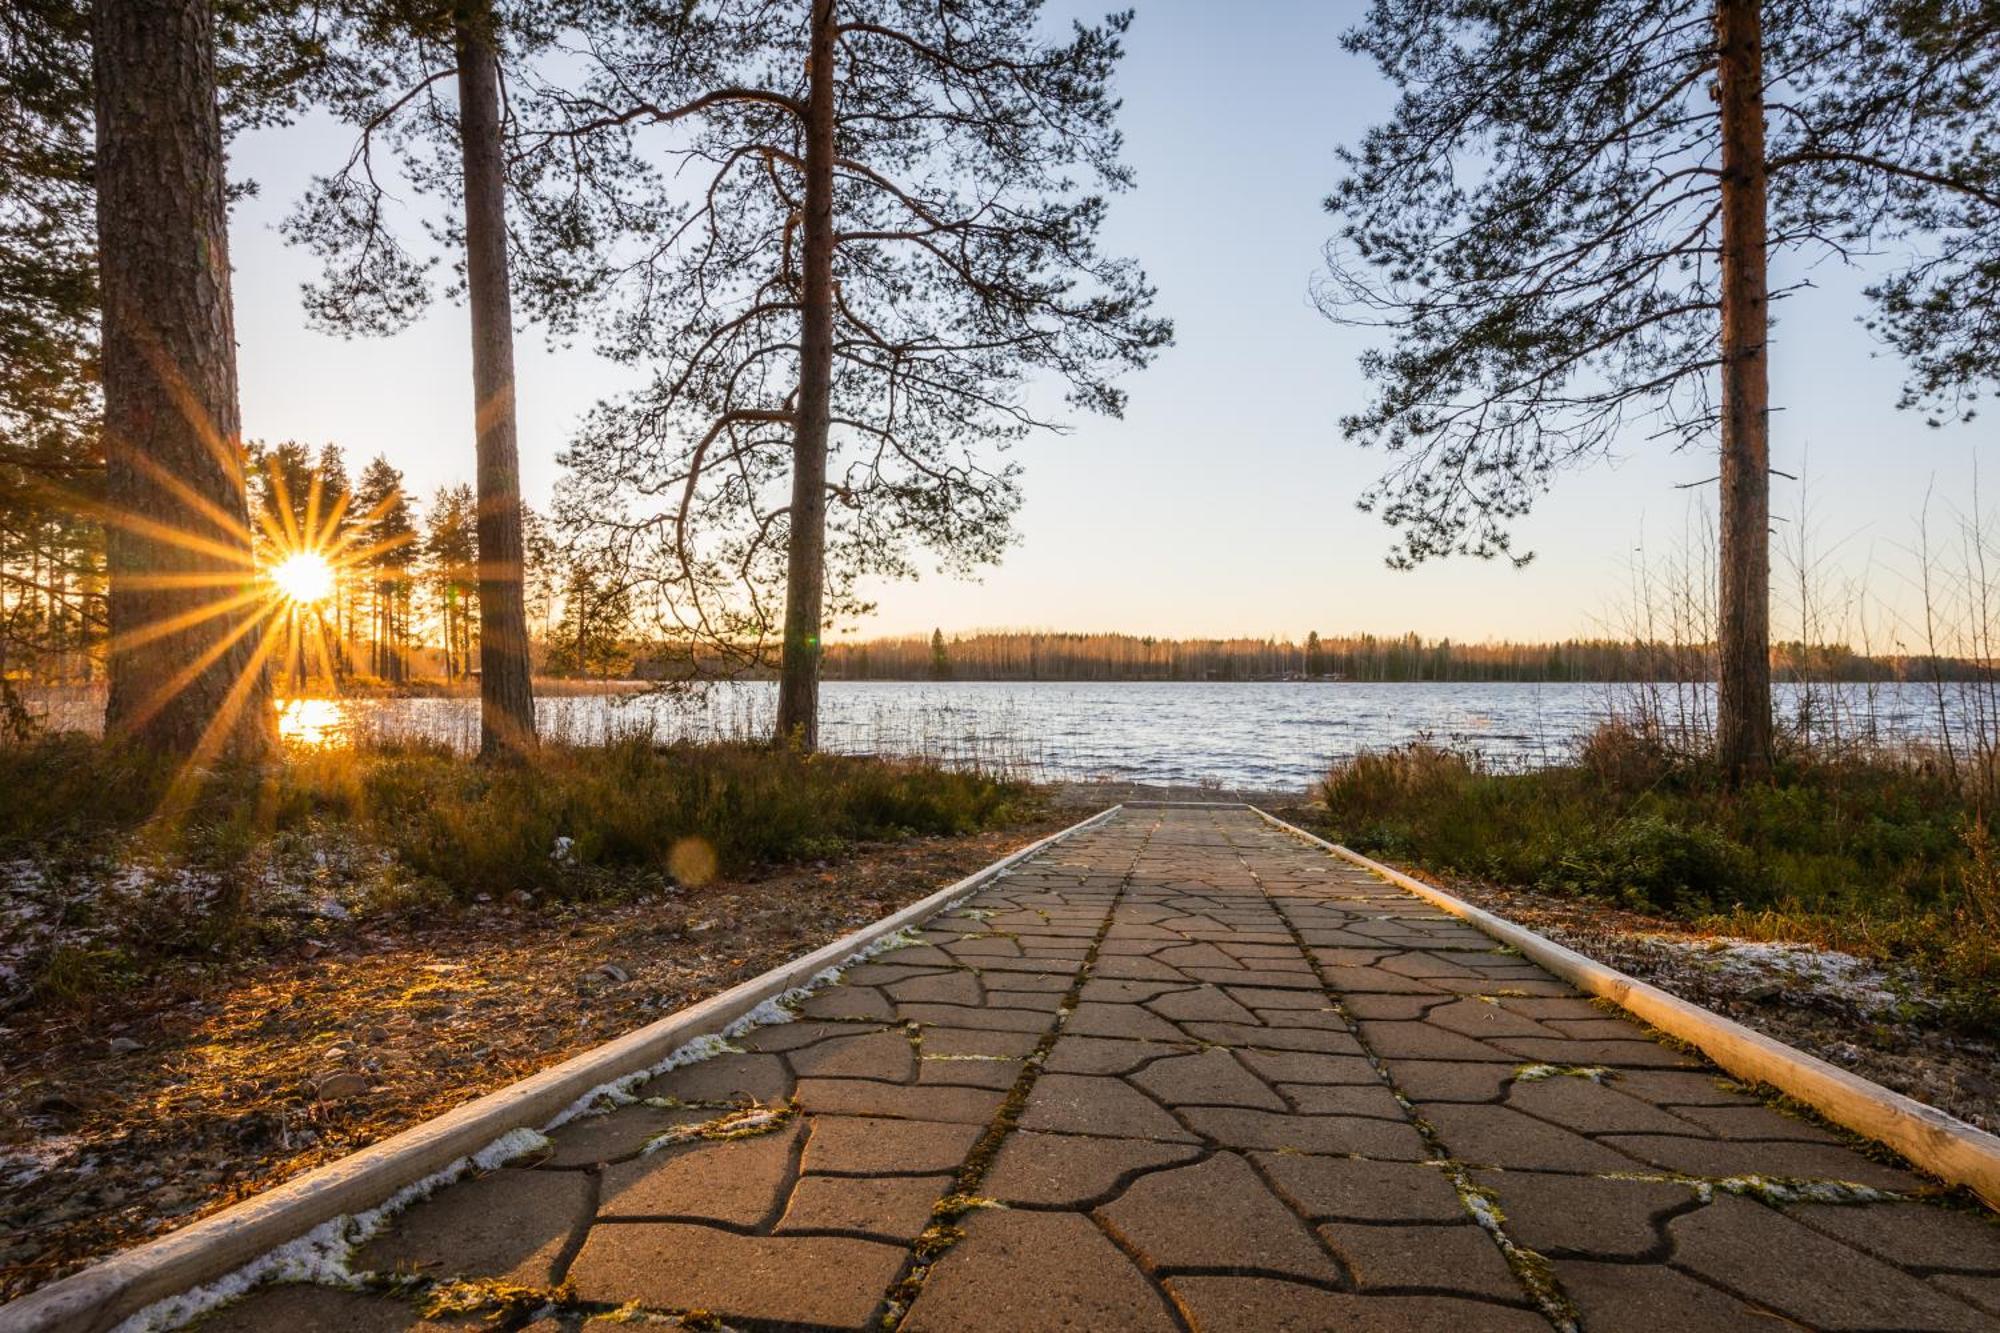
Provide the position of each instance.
(894, 230)
(1565, 227)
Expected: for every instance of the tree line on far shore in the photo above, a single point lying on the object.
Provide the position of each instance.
(1052, 655)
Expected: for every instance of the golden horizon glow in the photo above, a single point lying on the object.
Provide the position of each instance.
(304, 578)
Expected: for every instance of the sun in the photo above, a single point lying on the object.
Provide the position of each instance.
(304, 578)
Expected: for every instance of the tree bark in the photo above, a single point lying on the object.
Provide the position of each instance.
(188, 662)
(805, 573)
(506, 691)
(1743, 732)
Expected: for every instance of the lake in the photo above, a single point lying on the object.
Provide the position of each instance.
(1255, 736)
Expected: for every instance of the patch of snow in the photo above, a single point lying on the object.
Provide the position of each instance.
(1801, 970)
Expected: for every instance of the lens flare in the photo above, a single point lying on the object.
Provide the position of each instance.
(304, 578)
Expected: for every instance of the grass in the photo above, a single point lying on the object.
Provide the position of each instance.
(128, 868)
(1883, 855)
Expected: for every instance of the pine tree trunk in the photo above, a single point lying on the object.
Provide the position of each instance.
(198, 689)
(805, 574)
(1743, 632)
(506, 690)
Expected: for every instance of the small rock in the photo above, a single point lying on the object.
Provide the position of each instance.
(330, 909)
(124, 1045)
(521, 898)
(1763, 992)
(337, 1052)
(611, 972)
(336, 1086)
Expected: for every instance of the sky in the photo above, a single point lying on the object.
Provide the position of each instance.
(1223, 503)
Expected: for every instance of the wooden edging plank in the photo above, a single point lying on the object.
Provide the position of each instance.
(99, 1296)
(1940, 1144)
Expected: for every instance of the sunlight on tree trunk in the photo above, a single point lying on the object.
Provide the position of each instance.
(190, 636)
(1743, 630)
(506, 697)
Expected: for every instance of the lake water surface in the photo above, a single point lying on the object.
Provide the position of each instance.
(1258, 736)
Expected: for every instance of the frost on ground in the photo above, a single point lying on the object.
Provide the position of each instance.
(1803, 972)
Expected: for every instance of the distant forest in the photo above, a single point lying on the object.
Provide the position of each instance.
(1039, 655)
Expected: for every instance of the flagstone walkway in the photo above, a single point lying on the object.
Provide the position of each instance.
(1183, 1071)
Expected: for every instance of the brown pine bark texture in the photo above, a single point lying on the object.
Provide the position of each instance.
(188, 667)
(1743, 634)
(506, 690)
(805, 573)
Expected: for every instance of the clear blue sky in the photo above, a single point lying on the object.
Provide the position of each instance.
(1224, 502)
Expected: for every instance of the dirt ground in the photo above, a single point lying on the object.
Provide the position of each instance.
(145, 1111)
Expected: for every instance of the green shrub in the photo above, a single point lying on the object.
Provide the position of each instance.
(1654, 865)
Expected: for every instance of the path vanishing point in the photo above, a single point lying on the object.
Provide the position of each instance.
(1184, 1071)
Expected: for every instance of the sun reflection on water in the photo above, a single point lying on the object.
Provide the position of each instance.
(314, 724)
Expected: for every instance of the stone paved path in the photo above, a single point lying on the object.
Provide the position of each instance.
(1183, 1071)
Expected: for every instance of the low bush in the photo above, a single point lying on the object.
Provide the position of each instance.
(1882, 854)
(112, 863)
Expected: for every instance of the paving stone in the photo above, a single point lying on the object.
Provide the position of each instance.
(841, 1001)
(1669, 1087)
(964, 1041)
(1359, 1135)
(1128, 1021)
(1210, 1004)
(1481, 1019)
(1615, 1054)
(1755, 1122)
(1369, 1099)
(506, 1224)
(1063, 1170)
(857, 1145)
(1462, 1260)
(1273, 1039)
(842, 1096)
(1722, 1157)
(1309, 1067)
(1392, 1041)
(1206, 1078)
(782, 1037)
(1650, 1296)
(1267, 997)
(1496, 1136)
(739, 1182)
(1917, 1235)
(1030, 1272)
(1983, 1292)
(940, 988)
(1337, 1189)
(616, 1135)
(977, 1072)
(966, 1016)
(1587, 1215)
(1770, 1259)
(728, 1079)
(830, 1281)
(1590, 1107)
(885, 1054)
(1265, 1305)
(1085, 1104)
(297, 1308)
(1215, 1214)
(894, 1208)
